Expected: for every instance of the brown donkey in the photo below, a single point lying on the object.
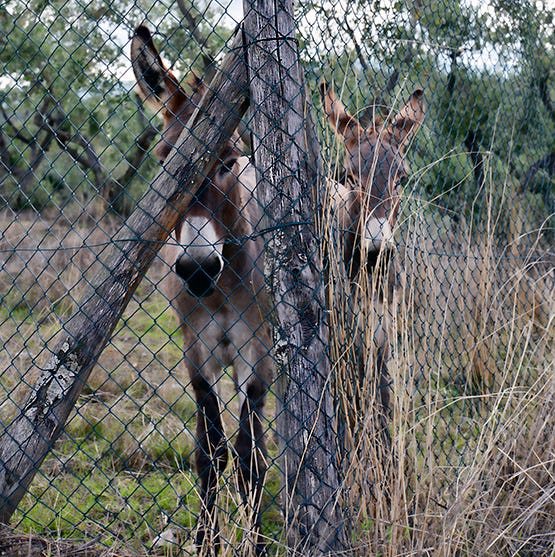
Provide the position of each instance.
(218, 293)
(366, 208)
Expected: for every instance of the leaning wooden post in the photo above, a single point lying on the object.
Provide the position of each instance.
(286, 159)
(28, 439)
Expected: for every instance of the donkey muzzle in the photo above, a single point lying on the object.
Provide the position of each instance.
(377, 234)
(200, 276)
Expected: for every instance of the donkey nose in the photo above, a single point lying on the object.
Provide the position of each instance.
(200, 276)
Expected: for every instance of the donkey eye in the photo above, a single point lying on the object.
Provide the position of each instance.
(227, 166)
(402, 180)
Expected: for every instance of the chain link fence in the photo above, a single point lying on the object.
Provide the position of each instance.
(440, 349)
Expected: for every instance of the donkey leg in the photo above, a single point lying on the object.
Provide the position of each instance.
(250, 446)
(386, 299)
(250, 449)
(211, 459)
(383, 380)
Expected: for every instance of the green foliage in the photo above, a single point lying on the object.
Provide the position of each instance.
(69, 121)
(487, 73)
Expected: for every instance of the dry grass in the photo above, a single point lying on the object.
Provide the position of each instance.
(471, 468)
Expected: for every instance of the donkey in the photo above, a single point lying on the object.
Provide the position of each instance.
(218, 289)
(219, 296)
(367, 208)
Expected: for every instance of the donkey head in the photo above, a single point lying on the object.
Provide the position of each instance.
(202, 232)
(374, 164)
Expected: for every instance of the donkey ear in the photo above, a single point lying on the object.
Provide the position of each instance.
(408, 120)
(155, 81)
(344, 124)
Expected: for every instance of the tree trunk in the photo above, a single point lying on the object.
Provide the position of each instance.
(114, 190)
(472, 144)
(28, 439)
(283, 139)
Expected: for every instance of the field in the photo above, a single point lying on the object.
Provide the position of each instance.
(472, 465)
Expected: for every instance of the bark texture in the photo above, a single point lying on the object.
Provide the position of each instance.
(286, 158)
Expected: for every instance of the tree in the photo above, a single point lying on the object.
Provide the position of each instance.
(286, 157)
(68, 123)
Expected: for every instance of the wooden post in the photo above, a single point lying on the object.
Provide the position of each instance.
(28, 439)
(286, 158)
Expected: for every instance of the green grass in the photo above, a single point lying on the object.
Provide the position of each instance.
(123, 468)
(126, 452)
(474, 469)
(105, 501)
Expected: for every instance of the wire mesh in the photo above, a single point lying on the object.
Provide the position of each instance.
(455, 327)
